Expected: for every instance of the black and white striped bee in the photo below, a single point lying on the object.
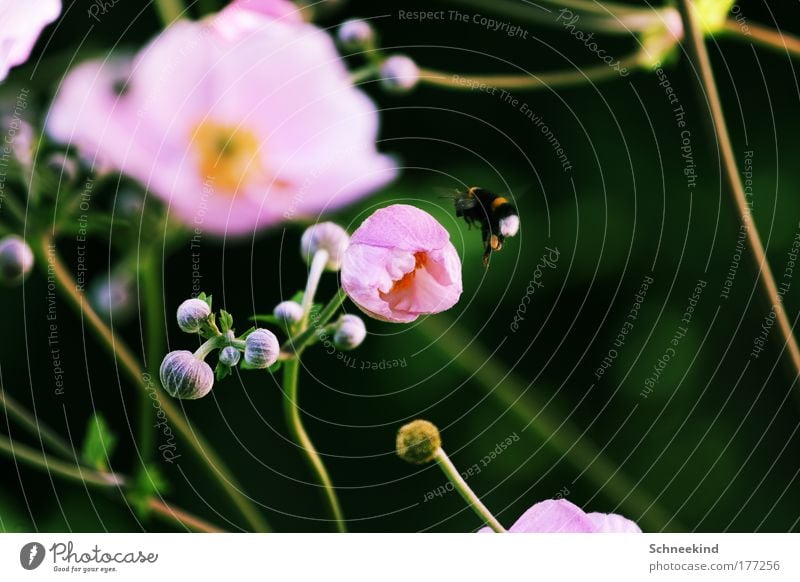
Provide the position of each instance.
(497, 217)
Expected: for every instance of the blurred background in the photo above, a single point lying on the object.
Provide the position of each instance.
(711, 446)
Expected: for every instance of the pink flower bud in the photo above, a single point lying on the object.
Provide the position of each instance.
(401, 264)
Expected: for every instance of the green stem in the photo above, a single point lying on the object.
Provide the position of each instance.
(466, 493)
(169, 10)
(295, 345)
(513, 395)
(717, 131)
(48, 259)
(291, 409)
(34, 426)
(61, 468)
(764, 37)
(531, 82)
(211, 344)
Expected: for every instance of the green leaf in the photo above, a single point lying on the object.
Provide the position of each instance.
(298, 297)
(98, 444)
(246, 333)
(148, 483)
(221, 371)
(225, 321)
(203, 297)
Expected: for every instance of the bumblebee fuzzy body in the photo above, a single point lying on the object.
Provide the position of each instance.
(496, 216)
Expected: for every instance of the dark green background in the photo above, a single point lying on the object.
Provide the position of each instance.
(719, 452)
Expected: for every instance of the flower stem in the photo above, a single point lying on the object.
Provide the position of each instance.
(186, 519)
(466, 493)
(49, 260)
(764, 36)
(315, 271)
(169, 10)
(100, 479)
(296, 344)
(513, 395)
(211, 344)
(61, 468)
(291, 410)
(718, 130)
(530, 82)
(36, 428)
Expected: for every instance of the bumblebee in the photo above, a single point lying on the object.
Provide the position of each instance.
(497, 217)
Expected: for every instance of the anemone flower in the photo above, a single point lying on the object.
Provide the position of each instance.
(239, 121)
(401, 264)
(561, 516)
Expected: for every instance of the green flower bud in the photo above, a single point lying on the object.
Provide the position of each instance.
(261, 349)
(229, 356)
(192, 314)
(184, 376)
(418, 441)
(16, 260)
(355, 34)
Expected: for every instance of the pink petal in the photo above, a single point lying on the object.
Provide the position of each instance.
(554, 516)
(613, 523)
(21, 23)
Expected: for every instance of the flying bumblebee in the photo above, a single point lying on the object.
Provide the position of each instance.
(497, 217)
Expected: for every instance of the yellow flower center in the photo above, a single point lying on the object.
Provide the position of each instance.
(228, 155)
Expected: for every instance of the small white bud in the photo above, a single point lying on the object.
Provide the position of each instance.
(399, 74)
(288, 312)
(355, 34)
(66, 167)
(192, 314)
(325, 236)
(261, 349)
(16, 260)
(229, 356)
(350, 332)
(184, 376)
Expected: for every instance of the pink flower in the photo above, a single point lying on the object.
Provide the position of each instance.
(561, 516)
(234, 127)
(401, 264)
(21, 23)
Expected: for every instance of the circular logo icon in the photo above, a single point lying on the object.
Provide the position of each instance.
(31, 555)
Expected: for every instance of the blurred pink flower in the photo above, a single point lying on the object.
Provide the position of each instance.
(401, 264)
(561, 516)
(234, 126)
(21, 23)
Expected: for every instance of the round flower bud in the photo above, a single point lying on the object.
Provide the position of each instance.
(229, 356)
(355, 34)
(261, 349)
(418, 441)
(16, 260)
(65, 166)
(184, 376)
(192, 314)
(112, 296)
(399, 74)
(325, 236)
(350, 332)
(288, 312)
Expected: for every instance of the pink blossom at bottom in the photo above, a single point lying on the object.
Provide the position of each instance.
(561, 516)
(401, 264)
